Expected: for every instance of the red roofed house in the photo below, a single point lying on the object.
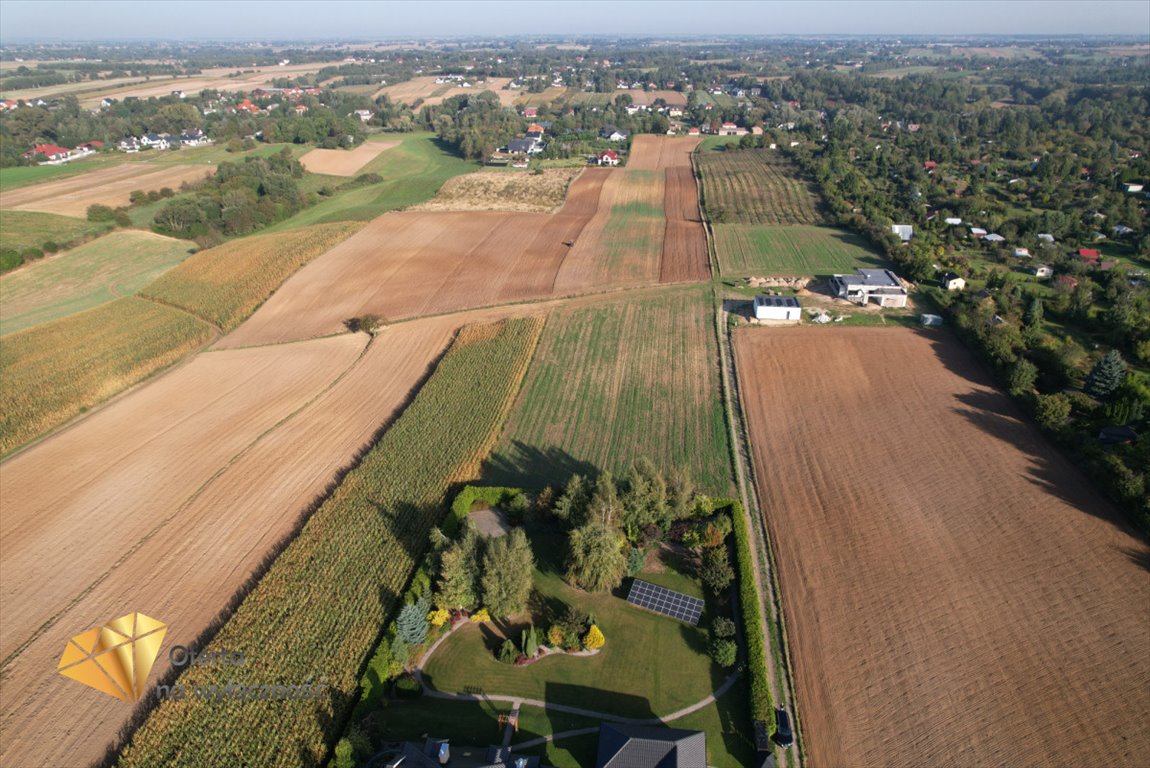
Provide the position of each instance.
(247, 106)
(50, 151)
(535, 128)
(930, 165)
(694, 131)
(300, 108)
(1089, 254)
(1066, 281)
(530, 112)
(608, 157)
(90, 146)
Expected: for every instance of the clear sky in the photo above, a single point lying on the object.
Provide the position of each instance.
(24, 20)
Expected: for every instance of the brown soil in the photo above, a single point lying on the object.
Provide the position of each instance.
(344, 162)
(107, 186)
(654, 153)
(956, 593)
(684, 241)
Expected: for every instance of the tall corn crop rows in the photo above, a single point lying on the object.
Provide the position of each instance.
(316, 614)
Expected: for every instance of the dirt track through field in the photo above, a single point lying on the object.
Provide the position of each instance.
(167, 500)
(344, 162)
(956, 593)
(108, 186)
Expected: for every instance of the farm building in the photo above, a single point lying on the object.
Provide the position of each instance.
(951, 282)
(904, 231)
(777, 308)
(880, 285)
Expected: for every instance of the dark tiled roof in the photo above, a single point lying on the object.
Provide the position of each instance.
(632, 746)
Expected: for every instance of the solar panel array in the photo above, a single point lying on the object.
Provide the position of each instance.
(662, 600)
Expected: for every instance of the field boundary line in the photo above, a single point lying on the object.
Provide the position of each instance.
(780, 677)
(713, 264)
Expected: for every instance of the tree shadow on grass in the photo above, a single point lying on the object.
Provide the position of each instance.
(528, 466)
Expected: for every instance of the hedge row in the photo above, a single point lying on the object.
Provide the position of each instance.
(460, 508)
(761, 708)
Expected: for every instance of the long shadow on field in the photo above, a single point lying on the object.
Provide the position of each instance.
(996, 415)
(526, 466)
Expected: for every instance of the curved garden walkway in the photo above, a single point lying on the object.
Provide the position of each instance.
(517, 701)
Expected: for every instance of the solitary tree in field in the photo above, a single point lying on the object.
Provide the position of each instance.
(596, 562)
(1106, 376)
(508, 567)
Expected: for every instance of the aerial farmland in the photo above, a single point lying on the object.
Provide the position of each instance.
(418, 388)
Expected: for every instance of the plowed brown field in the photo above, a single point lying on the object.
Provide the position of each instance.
(955, 592)
(654, 153)
(107, 186)
(344, 162)
(684, 241)
(166, 501)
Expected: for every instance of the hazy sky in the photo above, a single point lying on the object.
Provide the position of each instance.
(376, 19)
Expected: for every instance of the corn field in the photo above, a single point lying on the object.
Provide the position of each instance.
(315, 615)
(55, 370)
(225, 284)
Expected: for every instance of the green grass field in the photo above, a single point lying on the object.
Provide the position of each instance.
(412, 173)
(754, 249)
(615, 381)
(118, 264)
(11, 178)
(31, 229)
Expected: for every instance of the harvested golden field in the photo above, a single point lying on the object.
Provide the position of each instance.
(59, 369)
(225, 284)
(654, 153)
(179, 489)
(425, 89)
(415, 263)
(515, 191)
(647, 98)
(344, 162)
(115, 265)
(110, 186)
(956, 592)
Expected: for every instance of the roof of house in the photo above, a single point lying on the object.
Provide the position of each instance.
(609, 153)
(878, 278)
(948, 276)
(520, 145)
(633, 746)
(48, 150)
(776, 301)
(1088, 253)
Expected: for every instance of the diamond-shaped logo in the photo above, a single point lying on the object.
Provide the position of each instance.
(117, 657)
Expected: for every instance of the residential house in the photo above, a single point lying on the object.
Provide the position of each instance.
(7, 104)
(693, 131)
(904, 231)
(154, 141)
(1121, 230)
(53, 153)
(530, 112)
(608, 157)
(635, 746)
(879, 285)
(522, 147)
(1132, 187)
(363, 114)
(952, 221)
(300, 109)
(1046, 237)
(88, 147)
(929, 165)
(731, 129)
(1022, 253)
(994, 238)
(1068, 282)
(130, 144)
(611, 133)
(1042, 271)
(950, 281)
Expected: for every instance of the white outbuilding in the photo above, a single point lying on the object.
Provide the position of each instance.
(777, 308)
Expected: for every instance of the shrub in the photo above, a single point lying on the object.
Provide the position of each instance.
(530, 641)
(407, 687)
(508, 653)
(636, 558)
(122, 218)
(480, 616)
(555, 636)
(722, 627)
(438, 617)
(411, 624)
(1052, 411)
(50, 246)
(716, 570)
(517, 507)
(137, 197)
(10, 259)
(594, 639)
(101, 213)
(752, 617)
(724, 652)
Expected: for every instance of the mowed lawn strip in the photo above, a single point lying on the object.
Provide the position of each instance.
(316, 613)
(616, 381)
(225, 284)
(116, 265)
(55, 371)
(32, 229)
(760, 250)
(412, 173)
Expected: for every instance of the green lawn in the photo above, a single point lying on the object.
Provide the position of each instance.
(31, 229)
(651, 665)
(412, 172)
(645, 383)
(118, 264)
(756, 249)
(11, 178)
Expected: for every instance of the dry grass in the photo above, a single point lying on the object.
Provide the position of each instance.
(504, 191)
(344, 162)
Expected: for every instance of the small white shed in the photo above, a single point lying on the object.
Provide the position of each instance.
(777, 308)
